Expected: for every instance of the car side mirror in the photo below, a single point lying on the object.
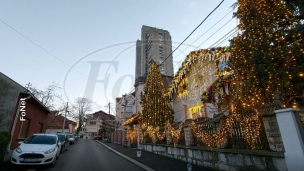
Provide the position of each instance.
(20, 142)
(59, 144)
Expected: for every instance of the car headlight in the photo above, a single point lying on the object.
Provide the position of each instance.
(50, 151)
(18, 150)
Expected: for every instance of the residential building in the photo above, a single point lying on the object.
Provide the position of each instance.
(21, 113)
(55, 123)
(99, 122)
(125, 107)
(92, 126)
(155, 44)
(138, 59)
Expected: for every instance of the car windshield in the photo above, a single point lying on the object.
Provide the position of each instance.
(40, 139)
(61, 137)
(71, 136)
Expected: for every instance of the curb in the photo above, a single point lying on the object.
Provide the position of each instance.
(128, 158)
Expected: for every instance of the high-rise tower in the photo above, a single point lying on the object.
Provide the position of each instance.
(155, 44)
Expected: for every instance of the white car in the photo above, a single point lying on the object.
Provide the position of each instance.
(38, 149)
(71, 138)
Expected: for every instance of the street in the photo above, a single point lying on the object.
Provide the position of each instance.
(86, 155)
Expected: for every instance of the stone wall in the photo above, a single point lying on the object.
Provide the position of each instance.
(223, 159)
(273, 133)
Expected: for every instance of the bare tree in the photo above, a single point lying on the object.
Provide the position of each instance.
(80, 109)
(55, 113)
(47, 96)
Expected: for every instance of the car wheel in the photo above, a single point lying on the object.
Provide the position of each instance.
(61, 150)
(54, 162)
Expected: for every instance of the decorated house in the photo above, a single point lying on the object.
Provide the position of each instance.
(203, 112)
(200, 88)
(233, 108)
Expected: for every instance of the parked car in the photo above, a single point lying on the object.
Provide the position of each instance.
(96, 136)
(64, 140)
(37, 149)
(76, 137)
(71, 138)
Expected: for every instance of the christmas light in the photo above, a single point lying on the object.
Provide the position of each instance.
(156, 110)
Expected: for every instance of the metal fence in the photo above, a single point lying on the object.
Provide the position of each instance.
(235, 139)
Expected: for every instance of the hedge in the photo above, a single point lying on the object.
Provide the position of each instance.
(4, 141)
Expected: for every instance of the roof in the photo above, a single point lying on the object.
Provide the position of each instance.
(133, 120)
(101, 115)
(212, 54)
(26, 91)
(118, 99)
(55, 121)
(38, 101)
(268, 109)
(141, 79)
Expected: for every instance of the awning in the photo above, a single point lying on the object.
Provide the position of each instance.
(133, 120)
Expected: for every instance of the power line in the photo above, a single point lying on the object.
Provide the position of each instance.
(205, 32)
(230, 36)
(235, 28)
(41, 47)
(192, 32)
(205, 40)
(216, 32)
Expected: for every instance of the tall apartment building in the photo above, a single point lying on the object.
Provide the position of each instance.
(155, 44)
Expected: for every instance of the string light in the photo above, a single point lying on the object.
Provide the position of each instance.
(156, 110)
(267, 56)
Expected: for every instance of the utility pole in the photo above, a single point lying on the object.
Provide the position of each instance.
(123, 120)
(66, 110)
(109, 107)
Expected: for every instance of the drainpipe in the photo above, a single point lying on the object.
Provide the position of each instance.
(15, 121)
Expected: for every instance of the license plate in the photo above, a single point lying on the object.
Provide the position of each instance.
(31, 160)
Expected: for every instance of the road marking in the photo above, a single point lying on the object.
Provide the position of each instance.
(128, 158)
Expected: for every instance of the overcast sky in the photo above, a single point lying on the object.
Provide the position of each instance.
(66, 41)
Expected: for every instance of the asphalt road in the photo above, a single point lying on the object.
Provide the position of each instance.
(86, 155)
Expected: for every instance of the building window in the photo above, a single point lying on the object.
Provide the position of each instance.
(129, 109)
(25, 125)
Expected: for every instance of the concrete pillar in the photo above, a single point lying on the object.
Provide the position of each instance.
(188, 136)
(273, 133)
(292, 135)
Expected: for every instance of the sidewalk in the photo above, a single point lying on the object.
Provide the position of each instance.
(155, 161)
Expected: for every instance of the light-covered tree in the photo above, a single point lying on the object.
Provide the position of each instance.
(268, 52)
(156, 110)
